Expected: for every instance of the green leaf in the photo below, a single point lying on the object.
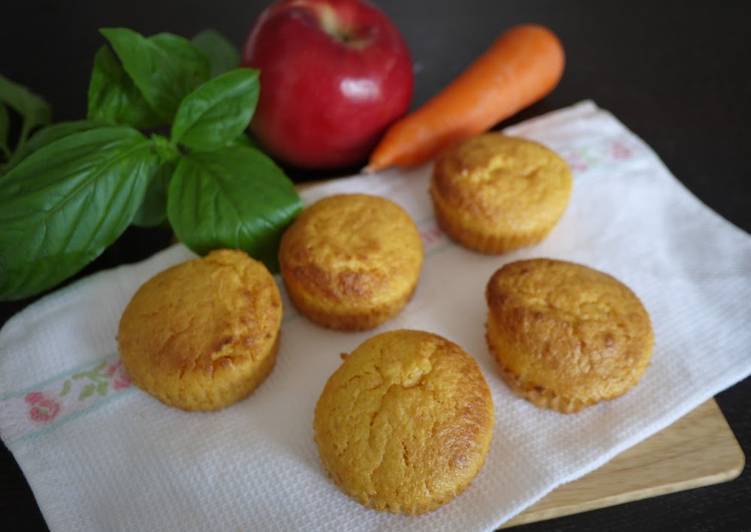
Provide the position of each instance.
(101, 388)
(34, 110)
(114, 98)
(164, 67)
(243, 140)
(4, 128)
(235, 197)
(218, 111)
(66, 202)
(50, 134)
(153, 209)
(87, 391)
(66, 388)
(222, 55)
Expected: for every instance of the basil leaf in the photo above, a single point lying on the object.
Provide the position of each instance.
(50, 134)
(235, 197)
(114, 98)
(222, 55)
(243, 140)
(153, 209)
(33, 109)
(66, 202)
(164, 67)
(4, 129)
(218, 111)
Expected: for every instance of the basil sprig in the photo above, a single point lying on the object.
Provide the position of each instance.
(69, 190)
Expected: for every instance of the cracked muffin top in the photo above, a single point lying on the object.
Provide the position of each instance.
(405, 423)
(351, 261)
(202, 334)
(494, 193)
(566, 336)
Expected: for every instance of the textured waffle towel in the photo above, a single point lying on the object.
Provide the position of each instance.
(102, 455)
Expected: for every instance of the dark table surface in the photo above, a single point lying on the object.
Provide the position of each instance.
(676, 73)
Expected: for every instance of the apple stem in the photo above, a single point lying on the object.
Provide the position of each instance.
(331, 24)
(328, 18)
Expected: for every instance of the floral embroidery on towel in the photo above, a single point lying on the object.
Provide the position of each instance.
(53, 402)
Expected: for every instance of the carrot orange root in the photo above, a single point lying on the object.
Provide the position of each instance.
(522, 66)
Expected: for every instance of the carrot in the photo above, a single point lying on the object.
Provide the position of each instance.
(522, 66)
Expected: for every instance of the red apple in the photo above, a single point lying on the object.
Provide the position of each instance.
(334, 75)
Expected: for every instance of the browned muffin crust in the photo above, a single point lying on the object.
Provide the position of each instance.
(351, 261)
(405, 423)
(494, 193)
(203, 334)
(566, 336)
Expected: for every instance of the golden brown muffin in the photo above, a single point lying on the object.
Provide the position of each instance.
(203, 334)
(405, 423)
(351, 261)
(566, 336)
(494, 193)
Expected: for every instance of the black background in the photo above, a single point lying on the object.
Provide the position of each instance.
(676, 73)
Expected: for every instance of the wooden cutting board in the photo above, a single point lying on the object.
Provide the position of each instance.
(697, 450)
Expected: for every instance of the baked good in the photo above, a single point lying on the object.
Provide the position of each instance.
(203, 334)
(494, 193)
(351, 261)
(566, 336)
(405, 423)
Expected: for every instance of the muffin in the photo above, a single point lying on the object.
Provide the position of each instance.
(203, 334)
(405, 423)
(351, 261)
(566, 336)
(494, 193)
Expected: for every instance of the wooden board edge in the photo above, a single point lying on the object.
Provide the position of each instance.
(544, 515)
(725, 474)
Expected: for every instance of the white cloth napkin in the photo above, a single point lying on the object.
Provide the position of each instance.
(102, 455)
